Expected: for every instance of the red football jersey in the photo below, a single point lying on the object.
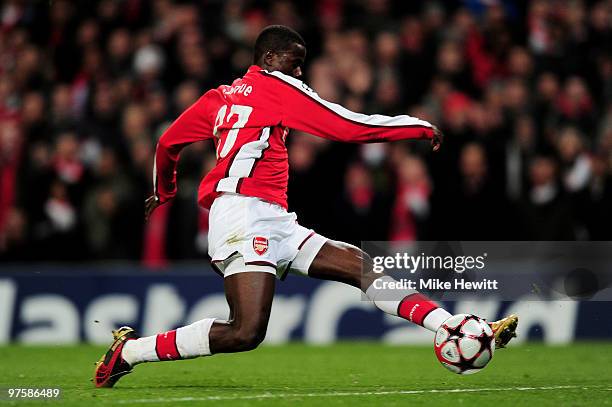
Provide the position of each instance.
(249, 122)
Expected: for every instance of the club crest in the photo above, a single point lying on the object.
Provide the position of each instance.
(260, 245)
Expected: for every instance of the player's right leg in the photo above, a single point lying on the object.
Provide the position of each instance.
(342, 262)
(345, 263)
(249, 295)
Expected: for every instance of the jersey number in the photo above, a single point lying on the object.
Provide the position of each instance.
(243, 112)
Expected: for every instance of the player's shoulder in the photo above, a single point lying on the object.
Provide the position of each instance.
(213, 93)
(212, 97)
(287, 80)
(271, 80)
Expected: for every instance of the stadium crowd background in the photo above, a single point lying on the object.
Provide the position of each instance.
(521, 89)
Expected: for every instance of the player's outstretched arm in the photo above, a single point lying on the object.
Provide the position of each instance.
(303, 109)
(191, 126)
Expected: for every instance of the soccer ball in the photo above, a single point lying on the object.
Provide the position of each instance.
(464, 344)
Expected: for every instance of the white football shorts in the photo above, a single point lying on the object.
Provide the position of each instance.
(248, 234)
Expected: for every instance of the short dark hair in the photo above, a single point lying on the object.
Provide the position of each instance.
(275, 38)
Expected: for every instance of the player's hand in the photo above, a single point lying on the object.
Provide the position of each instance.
(437, 139)
(150, 205)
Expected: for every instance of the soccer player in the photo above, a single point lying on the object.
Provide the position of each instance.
(252, 238)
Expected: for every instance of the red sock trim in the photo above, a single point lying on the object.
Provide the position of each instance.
(165, 346)
(415, 308)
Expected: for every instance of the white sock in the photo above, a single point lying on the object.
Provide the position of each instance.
(192, 340)
(186, 342)
(139, 350)
(375, 294)
(413, 306)
(435, 319)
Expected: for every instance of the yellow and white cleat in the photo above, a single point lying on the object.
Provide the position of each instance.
(504, 330)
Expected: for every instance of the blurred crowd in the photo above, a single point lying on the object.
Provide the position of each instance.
(521, 89)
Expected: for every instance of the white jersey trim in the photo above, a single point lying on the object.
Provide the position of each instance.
(243, 162)
(375, 120)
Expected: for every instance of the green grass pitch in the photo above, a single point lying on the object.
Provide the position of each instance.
(346, 374)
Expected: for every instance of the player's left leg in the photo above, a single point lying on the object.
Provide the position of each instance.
(338, 261)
